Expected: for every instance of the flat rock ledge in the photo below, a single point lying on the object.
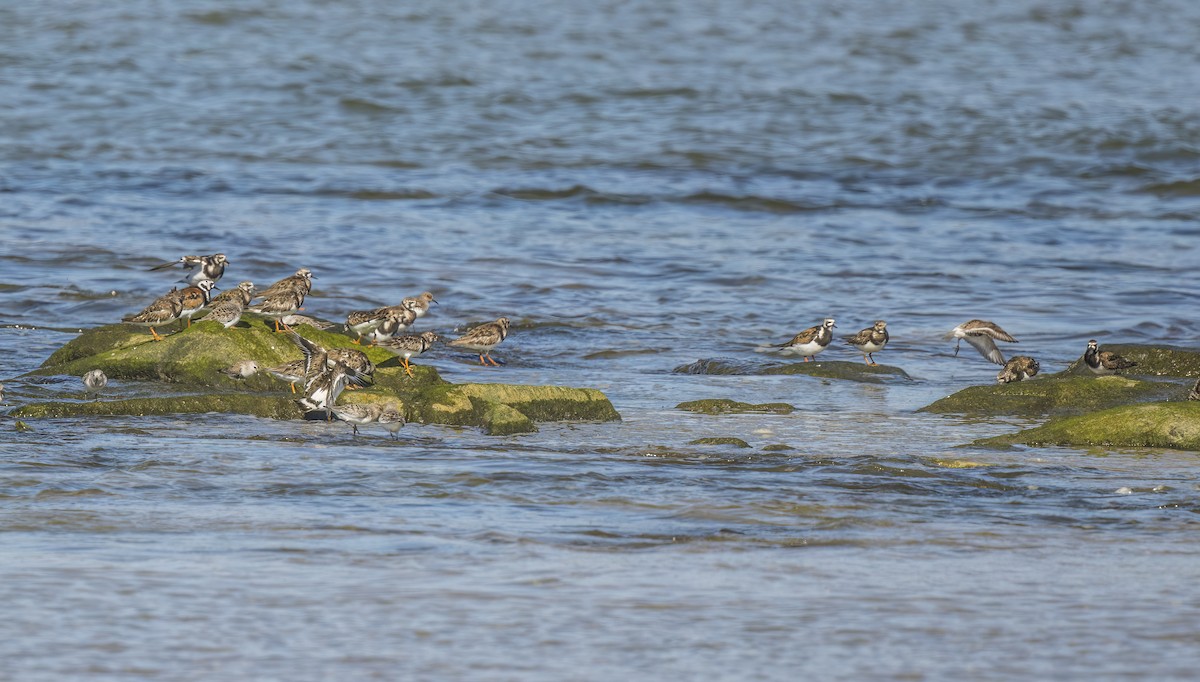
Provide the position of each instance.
(824, 369)
(1172, 425)
(187, 364)
(1054, 395)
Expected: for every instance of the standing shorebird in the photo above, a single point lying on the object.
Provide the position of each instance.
(284, 297)
(420, 303)
(811, 341)
(396, 318)
(393, 420)
(1103, 361)
(358, 414)
(206, 267)
(93, 382)
(241, 369)
(983, 335)
(193, 299)
(409, 345)
(364, 322)
(483, 339)
(870, 340)
(244, 293)
(1019, 368)
(163, 311)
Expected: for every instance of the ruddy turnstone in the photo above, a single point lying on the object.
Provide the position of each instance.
(364, 321)
(241, 369)
(1103, 361)
(227, 312)
(291, 372)
(244, 293)
(193, 299)
(396, 319)
(870, 340)
(983, 335)
(93, 381)
(284, 297)
(1193, 395)
(1018, 368)
(207, 267)
(483, 339)
(358, 414)
(323, 390)
(392, 420)
(301, 281)
(811, 341)
(164, 310)
(408, 345)
(354, 359)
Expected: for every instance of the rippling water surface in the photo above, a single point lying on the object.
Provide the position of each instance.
(638, 185)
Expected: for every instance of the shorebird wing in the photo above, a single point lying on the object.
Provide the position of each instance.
(986, 347)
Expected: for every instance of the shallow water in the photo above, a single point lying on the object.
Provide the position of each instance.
(638, 186)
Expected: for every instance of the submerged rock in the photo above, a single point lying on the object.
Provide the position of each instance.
(734, 442)
(825, 369)
(726, 406)
(1174, 425)
(195, 357)
(1053, 395)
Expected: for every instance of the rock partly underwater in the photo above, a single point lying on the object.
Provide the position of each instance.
(188, 364)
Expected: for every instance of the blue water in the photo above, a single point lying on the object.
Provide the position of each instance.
(637, 186)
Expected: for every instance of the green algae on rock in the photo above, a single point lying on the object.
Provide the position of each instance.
(194, 355)
(1052, 395)
(1173, 425)
(725, 406)
(825, 369)
(274, 407)
(1156, 361)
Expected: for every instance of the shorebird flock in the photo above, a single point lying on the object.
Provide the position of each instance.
(324, 373)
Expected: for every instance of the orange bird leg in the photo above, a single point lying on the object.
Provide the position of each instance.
(357, 342)
(293, 387)
(492, 360)
(481, 360)
(155, 334)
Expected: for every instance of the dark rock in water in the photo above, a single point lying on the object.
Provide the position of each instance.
(725, 406)
(735, 442)
(190, 361)
(830, 369)
(1155, 361)
(1174, 425)
(1057, 395)
(778, 447)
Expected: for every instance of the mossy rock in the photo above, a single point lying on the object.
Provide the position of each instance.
(726, 406)
(270, 406)
(1058, 395)
(195, 355)
(825, 369)
(1174, 425)
(1158, 361)
(734, 442)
